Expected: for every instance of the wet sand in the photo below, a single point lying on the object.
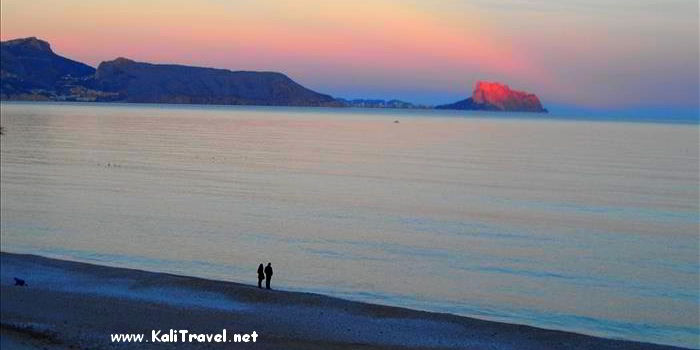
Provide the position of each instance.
(70, 305)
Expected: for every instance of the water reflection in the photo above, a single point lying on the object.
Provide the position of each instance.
(585, 226)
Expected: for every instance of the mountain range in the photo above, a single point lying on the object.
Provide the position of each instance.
(30, 70)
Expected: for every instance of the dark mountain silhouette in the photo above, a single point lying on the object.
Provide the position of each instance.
(30, 70)
(488, 96)
(29, 67)
(170, 83)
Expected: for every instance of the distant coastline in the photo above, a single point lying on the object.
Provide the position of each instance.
(31, 71)
(679, 118)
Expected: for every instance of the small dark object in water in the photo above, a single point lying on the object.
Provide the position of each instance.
(396, 121)
(20, 282)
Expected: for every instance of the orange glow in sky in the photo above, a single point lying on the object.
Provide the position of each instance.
(594, 54)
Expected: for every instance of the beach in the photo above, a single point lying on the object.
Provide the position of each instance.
(78, 306)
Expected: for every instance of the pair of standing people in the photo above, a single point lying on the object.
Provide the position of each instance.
(264, 274)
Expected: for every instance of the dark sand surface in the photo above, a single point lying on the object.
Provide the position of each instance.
(70, 305)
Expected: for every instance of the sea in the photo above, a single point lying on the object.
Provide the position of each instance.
(571, 223)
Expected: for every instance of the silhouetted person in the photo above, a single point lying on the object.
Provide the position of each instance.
(261, 275)
(268, 275)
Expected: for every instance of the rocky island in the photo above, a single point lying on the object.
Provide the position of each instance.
(491, 96)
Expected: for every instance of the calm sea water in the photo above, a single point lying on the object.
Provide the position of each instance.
(587, 226)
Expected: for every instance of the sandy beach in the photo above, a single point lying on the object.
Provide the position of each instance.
(78, 305)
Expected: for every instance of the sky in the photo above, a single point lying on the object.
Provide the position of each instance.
(592, 55)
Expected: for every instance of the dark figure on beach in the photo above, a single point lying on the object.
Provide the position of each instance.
(268, 275)
(20, 282)
(261, 275)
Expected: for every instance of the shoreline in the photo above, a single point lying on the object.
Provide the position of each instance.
(678, 118)
(71, 304)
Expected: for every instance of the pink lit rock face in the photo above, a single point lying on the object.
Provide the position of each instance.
(493, 96)
(501, 96)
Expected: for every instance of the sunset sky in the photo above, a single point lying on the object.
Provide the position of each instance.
(598, 55)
